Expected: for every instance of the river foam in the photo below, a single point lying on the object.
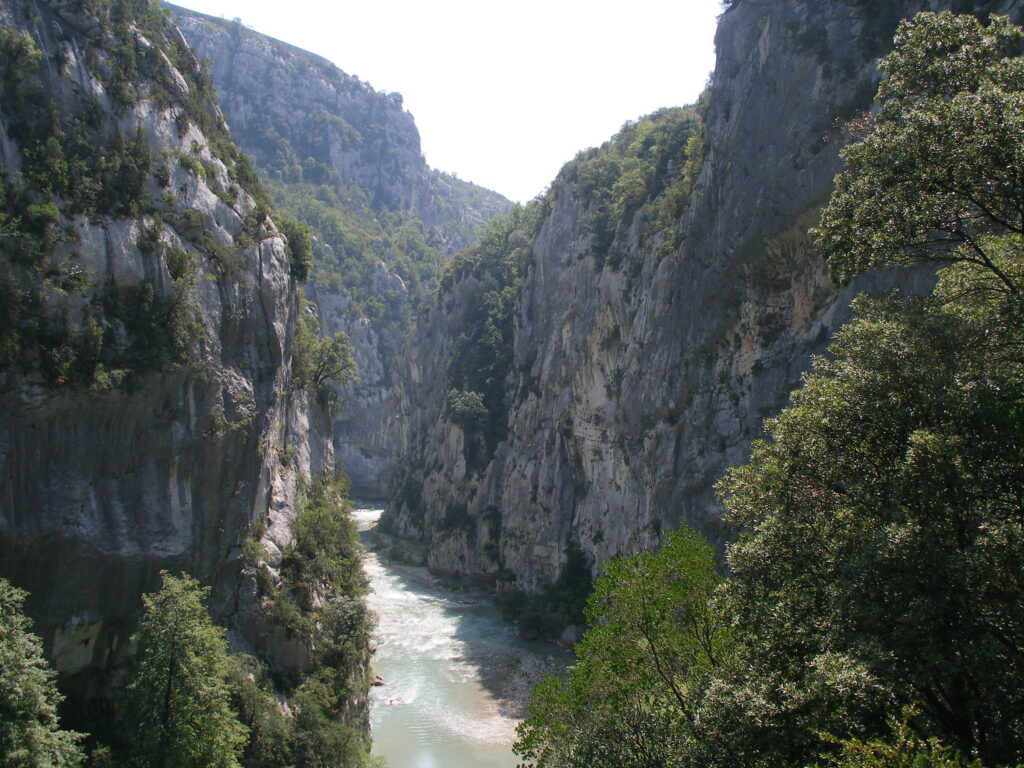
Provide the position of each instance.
(434, 651)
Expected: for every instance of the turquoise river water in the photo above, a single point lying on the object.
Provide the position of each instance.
(455, 677)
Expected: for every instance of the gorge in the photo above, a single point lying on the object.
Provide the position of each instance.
(541, 388)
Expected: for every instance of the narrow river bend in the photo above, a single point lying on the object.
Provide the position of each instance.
(456, 678)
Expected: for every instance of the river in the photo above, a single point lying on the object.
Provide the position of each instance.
(456, 678)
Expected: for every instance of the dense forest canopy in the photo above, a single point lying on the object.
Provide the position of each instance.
(872, 613)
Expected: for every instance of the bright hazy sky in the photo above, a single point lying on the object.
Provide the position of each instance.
(504, 93)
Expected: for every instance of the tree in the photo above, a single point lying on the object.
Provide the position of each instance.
(905, 749)
(880, 561)
(178, 702)
(320, 365)
(30, 734)
(940, 169)
(300, 247)
(629, 701)
(882, 523)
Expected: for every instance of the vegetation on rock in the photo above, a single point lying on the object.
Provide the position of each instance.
(141, 258)
(647, 172)
(318, 601)
(63, 321)
(320, 365)
(482, 353)
(872, 612)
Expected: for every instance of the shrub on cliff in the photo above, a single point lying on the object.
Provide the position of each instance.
(300, 247)
(320, 365)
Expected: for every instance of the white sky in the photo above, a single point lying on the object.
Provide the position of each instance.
(504, 93)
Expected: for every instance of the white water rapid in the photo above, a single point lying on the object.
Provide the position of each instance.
(456, 678)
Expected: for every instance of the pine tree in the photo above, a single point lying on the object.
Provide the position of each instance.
(30, 736)
(179, 709)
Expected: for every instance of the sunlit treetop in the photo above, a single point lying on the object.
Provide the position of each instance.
(941, 170)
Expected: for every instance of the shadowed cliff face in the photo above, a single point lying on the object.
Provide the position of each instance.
(302, 119)
(147, 419)
(638, 380)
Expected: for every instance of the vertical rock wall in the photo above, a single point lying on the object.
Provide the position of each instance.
(635, 387)
(104, 485)
(288, 106)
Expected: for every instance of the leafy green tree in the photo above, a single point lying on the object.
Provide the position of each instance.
(320, 365)
(465, 408)
(882, 524)
(300, 247)
(880, 561)
(629, 701)
(178, 711)
(30, 734)
(905, 749)
(938, 170)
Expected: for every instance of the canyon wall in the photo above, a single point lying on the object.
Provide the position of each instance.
(303, 119)
(644, 366)
(149, 418)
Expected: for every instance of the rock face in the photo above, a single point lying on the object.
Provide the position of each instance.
(636, 385)
(300, 117)
(147, 421)
(279, 99)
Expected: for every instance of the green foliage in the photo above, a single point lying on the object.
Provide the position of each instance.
(879, 565)
(326, 550)
(482, 353)
(559, 605)
(322, 583)
(881, 524)
(179, 711)
(322, 741)
(905, 749)
(466, 409)
(122, 332)
(319, 600)
(937, 171)
(119, 331)
(253, 697)
(359, 239)
(630, 699)
(19, 58)
(320, 365)
(300, 247)
(59, 149)
(652, 165)
(30, 734)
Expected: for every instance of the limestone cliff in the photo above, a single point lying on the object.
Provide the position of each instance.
(644, 360)
(149, 313)
(306, 122)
